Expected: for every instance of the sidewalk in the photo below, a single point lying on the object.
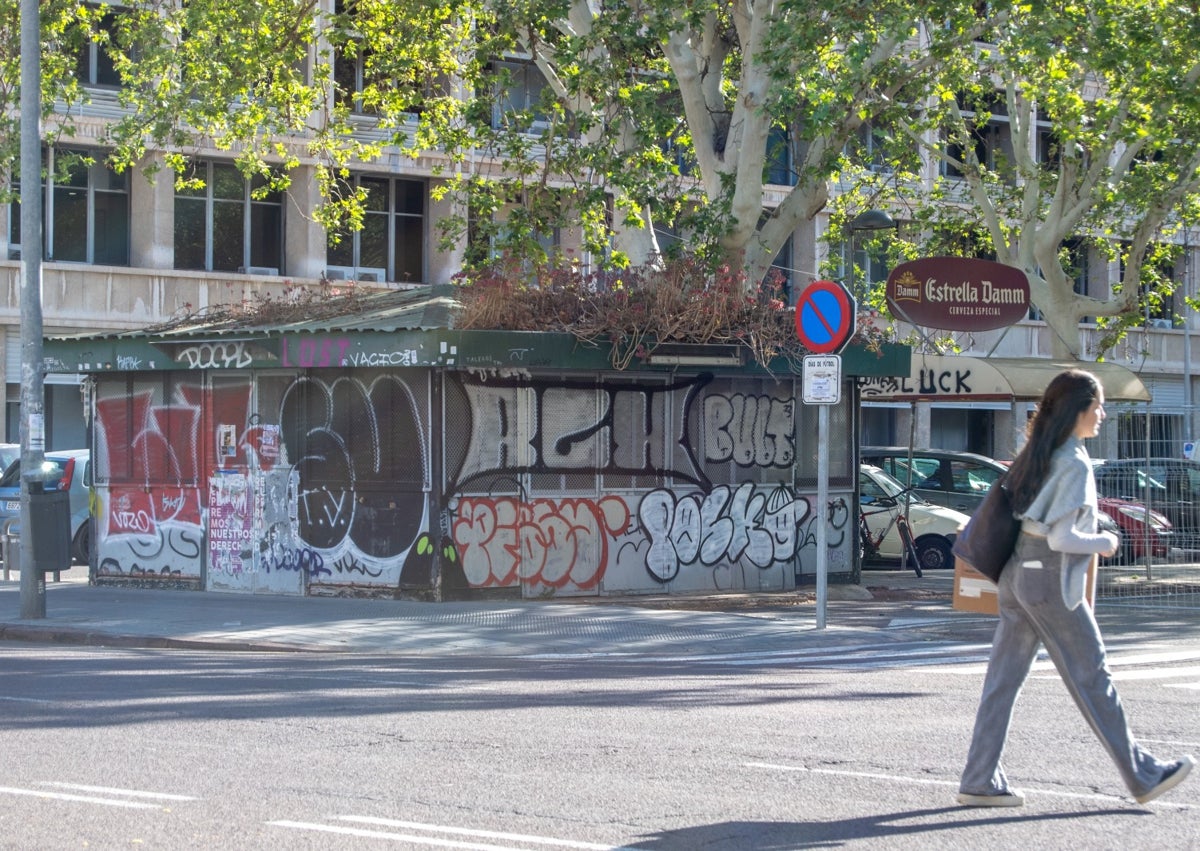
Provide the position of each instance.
(78, 613)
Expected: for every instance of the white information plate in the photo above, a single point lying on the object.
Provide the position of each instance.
(822, 379)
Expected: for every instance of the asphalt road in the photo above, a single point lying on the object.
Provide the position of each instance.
(820, 747)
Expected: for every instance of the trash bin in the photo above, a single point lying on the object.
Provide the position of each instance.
(50, 530)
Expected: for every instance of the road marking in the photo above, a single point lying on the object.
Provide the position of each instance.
(1145, 673)
(109, 790)
(437, 842)
(28, 700)
(925, 781)
(1115, 660)
(883, 654)
(86, 799)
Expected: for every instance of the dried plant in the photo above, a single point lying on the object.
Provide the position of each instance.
(264, 308)
(636, 310)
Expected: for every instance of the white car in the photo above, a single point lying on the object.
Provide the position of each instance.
(883, 499)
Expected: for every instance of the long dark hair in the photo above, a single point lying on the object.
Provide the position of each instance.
(1069, 394)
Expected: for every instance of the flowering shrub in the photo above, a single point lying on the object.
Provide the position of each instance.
(637, 310)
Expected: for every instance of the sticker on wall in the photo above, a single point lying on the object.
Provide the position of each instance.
(226, 441)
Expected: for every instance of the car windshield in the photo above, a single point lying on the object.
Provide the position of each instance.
(880, 485)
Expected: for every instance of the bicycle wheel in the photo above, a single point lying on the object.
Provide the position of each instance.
(910, 546)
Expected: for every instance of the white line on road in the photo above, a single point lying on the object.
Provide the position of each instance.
(435, 841)
(485, 834)
(1143, 674)
(86, 799)
(924, 781)
(28, 700)
(1114, 660)
(108, 790)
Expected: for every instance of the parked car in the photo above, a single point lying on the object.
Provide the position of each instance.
(68, 470)
(1170, 486)
(934, 527)
(1143, 531)
(960, 480)
(9, 452)
(957, 480)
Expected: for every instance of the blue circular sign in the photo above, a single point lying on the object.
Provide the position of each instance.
(825, 317)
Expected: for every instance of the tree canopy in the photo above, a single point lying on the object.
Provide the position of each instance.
(726, 124)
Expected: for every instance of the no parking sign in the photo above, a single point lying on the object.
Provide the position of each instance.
(825, 314)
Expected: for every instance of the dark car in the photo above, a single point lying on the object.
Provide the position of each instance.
(1170, 486)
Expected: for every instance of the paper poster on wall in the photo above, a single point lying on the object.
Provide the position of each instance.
(230, 523)
(226, 441)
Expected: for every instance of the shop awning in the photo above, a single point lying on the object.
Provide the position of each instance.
(962, 378)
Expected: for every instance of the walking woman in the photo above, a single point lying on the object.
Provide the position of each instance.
(1042, 601)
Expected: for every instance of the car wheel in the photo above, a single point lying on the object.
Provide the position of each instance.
(934, 553)
(81, 547)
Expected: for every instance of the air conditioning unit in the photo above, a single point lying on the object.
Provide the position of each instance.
(1161, 323)
(258, 270)
(362, 273)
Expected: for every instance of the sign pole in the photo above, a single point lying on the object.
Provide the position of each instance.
(825, 316)
(823, 518)
(822, 387)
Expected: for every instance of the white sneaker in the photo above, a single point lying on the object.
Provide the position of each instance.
(1011, 798)
(1171, 778)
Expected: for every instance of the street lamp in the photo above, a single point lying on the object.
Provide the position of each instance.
(868, 221)
(872, 220)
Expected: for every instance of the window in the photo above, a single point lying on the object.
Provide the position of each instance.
(519, 88)
(221, 227)
(86, 211)
(93, 64)
(350, 75)
(990, 141)
(779, 168)
(1156, 286)
(391, 244)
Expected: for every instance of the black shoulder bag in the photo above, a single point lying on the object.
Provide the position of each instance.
(990, 536)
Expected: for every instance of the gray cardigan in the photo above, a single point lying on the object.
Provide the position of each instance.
(1064, 511)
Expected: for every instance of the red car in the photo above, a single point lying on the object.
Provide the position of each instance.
(1143, 532)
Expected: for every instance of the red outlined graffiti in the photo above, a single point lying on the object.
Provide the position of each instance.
(552, 542)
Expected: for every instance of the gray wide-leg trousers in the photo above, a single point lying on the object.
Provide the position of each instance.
(1032, 613)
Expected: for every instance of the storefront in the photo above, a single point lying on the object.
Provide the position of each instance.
(977, 404)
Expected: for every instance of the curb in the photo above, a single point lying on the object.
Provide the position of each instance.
(92, 638)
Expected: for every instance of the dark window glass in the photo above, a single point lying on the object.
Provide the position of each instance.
(266, 235)
(189, 233)
(112, 229)
(409, 249)
(70, 224)
(228, 236)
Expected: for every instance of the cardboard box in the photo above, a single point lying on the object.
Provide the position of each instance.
(973, 592)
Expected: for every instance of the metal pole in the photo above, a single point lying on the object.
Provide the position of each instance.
(822, 513)
(1188, 424)
(33, 429)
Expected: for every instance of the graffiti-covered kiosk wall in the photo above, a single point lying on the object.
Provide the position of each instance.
(442, 464)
